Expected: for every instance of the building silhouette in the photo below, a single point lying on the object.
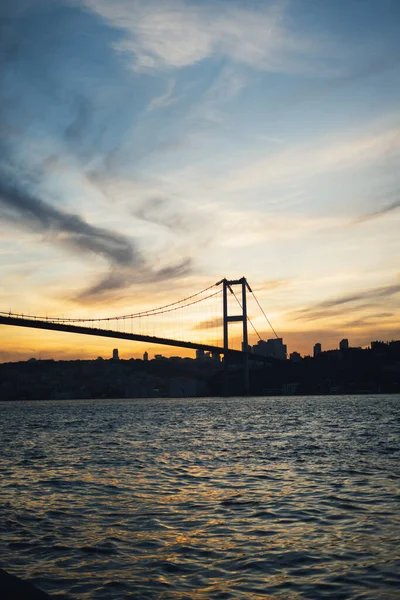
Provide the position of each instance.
(317, 349)
(344, 344)
(115, 354)
(273, 347)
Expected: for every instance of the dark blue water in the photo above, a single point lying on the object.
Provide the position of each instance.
(203, 498)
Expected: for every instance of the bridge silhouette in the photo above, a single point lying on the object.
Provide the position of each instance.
(110, 327)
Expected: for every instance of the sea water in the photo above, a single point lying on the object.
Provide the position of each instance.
(290, 497)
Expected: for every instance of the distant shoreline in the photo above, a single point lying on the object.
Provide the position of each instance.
(351, 371)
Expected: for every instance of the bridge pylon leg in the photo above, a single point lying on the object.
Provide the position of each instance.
(227, 285)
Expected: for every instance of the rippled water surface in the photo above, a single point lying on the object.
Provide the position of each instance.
(203, 498)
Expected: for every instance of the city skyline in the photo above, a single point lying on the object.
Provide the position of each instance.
(151, 148)
(166, 352)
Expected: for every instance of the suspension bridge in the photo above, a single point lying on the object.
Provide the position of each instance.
(140, 326)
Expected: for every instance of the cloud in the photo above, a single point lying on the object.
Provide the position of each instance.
(372, 294)
(369, 321)
(209, 324)
(77, 129)
(337, 306)
(175, 34)
(29, 195)
(180, 269)
(272, 284)
(225, 87)
(378, 213)
(241, 228)
(127, 264)
(299, 162)
(38, 177)
(161, 212)
(115, 280)
(67, 228)
(121, 277)
(165, 99)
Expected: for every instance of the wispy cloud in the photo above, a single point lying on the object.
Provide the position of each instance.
(123, 277)
(174, 34)
(161, 211)
(77, 129)
(165, 99)
(379, 213)
(375, 293)
(302, 161)
(212, 104)
(251, 228)
(272, 284)
(344, 304)
(209, 324)
(70, 229)
(370, 321)
(21, 206)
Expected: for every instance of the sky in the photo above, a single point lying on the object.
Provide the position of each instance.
(149, 148)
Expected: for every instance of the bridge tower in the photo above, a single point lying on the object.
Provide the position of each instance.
(227, 285)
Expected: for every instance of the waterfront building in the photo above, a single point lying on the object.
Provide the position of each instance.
(317, 349)
(273, 347)
(295, 357)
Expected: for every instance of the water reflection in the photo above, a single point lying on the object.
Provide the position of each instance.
(209, 499)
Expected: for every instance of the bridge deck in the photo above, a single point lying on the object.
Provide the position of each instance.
(36, 324)
(49, 325)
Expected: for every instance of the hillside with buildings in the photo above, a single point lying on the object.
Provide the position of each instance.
(341, 371)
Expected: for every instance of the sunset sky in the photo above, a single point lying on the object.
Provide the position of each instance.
(149, 148)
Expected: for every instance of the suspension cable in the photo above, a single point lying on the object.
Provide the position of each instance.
(159, 308)
(160, 312)
(150, 312)
(248, 318)
(262, 310)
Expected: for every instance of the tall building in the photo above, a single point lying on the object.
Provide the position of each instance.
(317, 349)
(273, 347)
(344, 344)
(146, 356)
(115, 354)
